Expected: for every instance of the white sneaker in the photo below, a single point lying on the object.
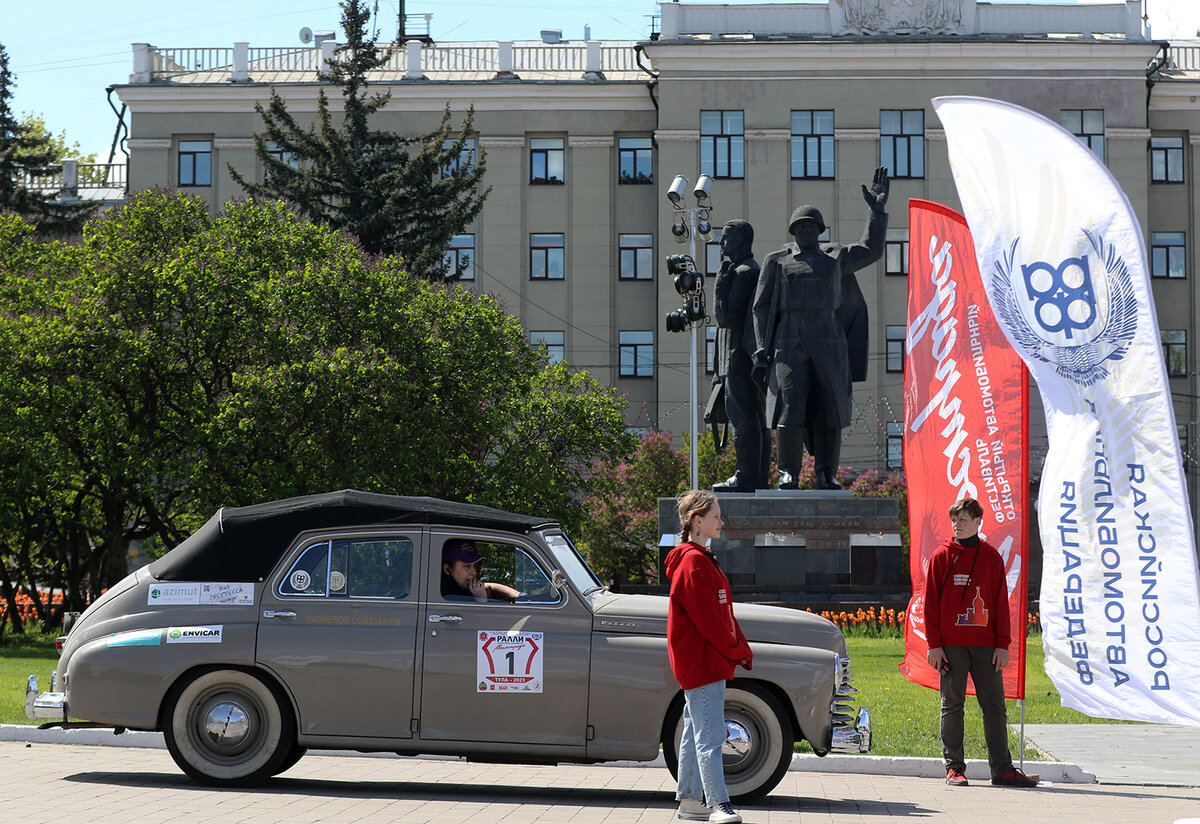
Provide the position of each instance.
(692, 810)
(724, 814)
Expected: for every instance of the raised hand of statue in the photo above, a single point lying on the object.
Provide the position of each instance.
(877, 195)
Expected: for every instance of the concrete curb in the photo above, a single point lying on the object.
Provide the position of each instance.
(1053, 771)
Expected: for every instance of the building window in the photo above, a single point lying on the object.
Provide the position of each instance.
(894, 433)
(288, 159)
(895, 348)
(1167, 258)
(895, 255)
(546, 160)
(1174, 343)
(460, 258)
(556, 348)
(1166, 159)
(812, 144)
(461, 161)
(1088, 126)
(722, 144)
(710, 350)
(636, 159)
(636, 257)
(195, 163)
(546, 257)
(637, 354)
(902, 142)
(712, 254)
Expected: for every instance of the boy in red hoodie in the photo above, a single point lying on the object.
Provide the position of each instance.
(705, 644)
(966, 620)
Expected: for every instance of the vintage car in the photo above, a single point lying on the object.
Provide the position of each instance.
(320, 622)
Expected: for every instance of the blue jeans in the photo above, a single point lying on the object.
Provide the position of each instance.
(701, 774)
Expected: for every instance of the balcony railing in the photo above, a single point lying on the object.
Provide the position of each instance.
(242, 63)
(71, 177)
(1184, 57)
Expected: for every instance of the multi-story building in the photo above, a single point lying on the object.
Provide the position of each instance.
(782, 104)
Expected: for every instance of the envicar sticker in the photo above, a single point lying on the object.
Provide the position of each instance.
(194, 635)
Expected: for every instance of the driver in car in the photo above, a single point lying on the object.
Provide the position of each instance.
(462, 578)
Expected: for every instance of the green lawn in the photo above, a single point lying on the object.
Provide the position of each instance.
(904, 716)
(18, 661)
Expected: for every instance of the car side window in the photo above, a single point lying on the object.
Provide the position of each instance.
(513, 566)
(352, 568)
(379, 568)
(309, 575)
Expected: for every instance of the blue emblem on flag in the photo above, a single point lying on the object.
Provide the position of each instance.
(1063, 301)
(1062, 295)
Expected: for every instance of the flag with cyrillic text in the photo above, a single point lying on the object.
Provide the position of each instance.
(1064, 263)
(966, 408)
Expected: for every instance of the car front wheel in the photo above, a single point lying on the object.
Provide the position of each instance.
(228, 727)
(759, 746)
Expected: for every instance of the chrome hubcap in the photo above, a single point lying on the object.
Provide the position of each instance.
(226, 724)
(738, 743)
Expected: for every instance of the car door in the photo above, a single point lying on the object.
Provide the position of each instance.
(339, 627)
(500, 671)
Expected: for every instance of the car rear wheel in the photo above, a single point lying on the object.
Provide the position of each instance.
(229, 727)
(758, 749)
(293, 757)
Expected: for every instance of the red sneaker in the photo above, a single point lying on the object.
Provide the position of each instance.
(955, 778)
(1015, 778)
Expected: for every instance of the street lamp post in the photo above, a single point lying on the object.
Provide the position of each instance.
(690, 222)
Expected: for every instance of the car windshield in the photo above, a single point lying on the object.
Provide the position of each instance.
(572, 564)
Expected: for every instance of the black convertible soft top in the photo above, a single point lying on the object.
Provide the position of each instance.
(244, 543)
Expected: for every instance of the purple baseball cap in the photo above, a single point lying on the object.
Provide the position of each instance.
(460, 550)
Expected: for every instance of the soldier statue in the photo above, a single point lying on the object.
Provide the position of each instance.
(745, 403)
(810, 336)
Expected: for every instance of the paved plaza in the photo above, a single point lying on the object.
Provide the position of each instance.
(138, 785)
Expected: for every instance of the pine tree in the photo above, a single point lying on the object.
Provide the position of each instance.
(27, 153)
(402, 195)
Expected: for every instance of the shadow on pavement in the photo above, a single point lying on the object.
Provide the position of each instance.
(491, 793)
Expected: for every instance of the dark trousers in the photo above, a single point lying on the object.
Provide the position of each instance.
(989, 690)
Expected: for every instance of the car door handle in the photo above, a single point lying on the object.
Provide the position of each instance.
(270, 613)
(444, 619)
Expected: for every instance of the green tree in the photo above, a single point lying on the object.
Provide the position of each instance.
(398, 194)
(620, 515)
(177, 361)
(29, 153)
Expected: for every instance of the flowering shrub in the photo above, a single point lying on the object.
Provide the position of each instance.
(870, 622)
(881, 622)
(25, 607)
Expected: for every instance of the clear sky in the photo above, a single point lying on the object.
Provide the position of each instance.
(65, 53)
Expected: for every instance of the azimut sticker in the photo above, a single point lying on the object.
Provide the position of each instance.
(174, 594)
(194, 635)
(209, 594)
(509, 661)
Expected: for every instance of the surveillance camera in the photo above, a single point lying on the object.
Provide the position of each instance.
(703, 187)
(680, 231)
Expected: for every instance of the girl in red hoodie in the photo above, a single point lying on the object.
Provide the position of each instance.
(705, 644)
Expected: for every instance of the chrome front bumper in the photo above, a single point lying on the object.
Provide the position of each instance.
(851, 734)
(853, 739)
(48, 705)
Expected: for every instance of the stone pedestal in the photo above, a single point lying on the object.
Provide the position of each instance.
(804, 546)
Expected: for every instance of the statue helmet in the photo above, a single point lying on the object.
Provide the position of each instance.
(806, 213)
